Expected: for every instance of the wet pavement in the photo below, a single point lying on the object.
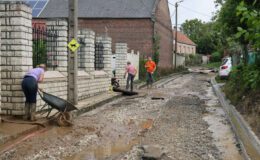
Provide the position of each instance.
(179, 120)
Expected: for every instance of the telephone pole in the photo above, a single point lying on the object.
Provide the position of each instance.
(176, 34)
(73, 56)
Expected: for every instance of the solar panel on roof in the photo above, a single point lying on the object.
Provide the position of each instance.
(40, 4)
(31, 3)
(37, 6)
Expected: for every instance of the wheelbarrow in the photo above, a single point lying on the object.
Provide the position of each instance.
(62, 106)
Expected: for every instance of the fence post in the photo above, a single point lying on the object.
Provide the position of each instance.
(121, 59)
(16, 27)
(87, 50)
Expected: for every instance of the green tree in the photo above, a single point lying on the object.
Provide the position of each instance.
(232, 23)
(203, 34)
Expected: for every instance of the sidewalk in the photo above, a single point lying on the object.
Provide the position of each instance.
(12, 131)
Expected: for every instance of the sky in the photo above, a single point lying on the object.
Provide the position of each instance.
(191, 9)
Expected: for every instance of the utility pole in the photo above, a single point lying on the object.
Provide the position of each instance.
(176, 25)
(73, 56)
(176, 34)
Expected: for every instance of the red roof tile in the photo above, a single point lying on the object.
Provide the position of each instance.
(182, 38)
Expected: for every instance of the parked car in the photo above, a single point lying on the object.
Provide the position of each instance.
(225, 67)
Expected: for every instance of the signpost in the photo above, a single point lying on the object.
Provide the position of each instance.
(73, 57)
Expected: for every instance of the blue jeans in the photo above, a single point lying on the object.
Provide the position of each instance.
(149, 78)
(130, 78)
(30, 88)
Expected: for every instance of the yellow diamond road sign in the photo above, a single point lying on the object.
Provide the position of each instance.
(73, 45)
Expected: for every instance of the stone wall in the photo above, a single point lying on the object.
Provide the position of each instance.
(54, 83)
(16, 57)
(121, 59)
(61, 26)
(91, 82)
(0, 74)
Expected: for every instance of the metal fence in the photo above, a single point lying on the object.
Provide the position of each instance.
(99, 56)
(45, 46)
(81, 59)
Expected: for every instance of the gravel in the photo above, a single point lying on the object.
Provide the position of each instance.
(124, 128)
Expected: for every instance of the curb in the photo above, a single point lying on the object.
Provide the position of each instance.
(94, 106)
(163, 78)
(249, 142)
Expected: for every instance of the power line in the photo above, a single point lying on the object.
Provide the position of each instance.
(200, 13)
(192, 10)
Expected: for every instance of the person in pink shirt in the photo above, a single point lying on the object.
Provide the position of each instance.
(131, 71)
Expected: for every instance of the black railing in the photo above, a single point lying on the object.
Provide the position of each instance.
(99, 56)
(45, 46)
(81, 58)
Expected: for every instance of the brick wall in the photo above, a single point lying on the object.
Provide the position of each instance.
(163, 27)
(137, 33)
(16, 59)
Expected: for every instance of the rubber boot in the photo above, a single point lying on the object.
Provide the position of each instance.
(27, 112)
(33, 111)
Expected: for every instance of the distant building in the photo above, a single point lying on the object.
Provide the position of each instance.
(134, 22)
(185, 46)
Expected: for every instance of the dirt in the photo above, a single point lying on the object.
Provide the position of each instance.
(184, 124)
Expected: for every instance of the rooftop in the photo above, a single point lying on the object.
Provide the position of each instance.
(101, 9)
(182, 38)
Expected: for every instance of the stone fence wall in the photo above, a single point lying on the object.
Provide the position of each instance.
(17, 55)
(0, 75)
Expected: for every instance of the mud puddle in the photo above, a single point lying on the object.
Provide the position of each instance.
(108, 150)
(222, 133)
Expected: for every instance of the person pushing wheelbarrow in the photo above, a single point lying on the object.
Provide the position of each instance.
(30, 88)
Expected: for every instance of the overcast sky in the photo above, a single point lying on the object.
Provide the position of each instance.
(191, 9)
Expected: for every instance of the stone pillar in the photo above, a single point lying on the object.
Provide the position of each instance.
(61, 25)
(107, 43)
(16, 49)
(121, 59)
(87, 50)
(0, 73)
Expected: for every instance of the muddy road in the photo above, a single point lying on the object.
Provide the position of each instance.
(180, 119)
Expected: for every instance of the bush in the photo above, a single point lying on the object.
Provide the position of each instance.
(215, 57)
(193, 60)
(243, 79)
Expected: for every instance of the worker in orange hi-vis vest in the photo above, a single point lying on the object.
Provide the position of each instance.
(150, 68)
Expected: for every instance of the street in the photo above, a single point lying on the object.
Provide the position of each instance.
(180, 118)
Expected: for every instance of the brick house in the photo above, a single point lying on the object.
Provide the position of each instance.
(134, 22)
(185, 46)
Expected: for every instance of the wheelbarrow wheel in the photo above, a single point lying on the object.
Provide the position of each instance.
(64, 119)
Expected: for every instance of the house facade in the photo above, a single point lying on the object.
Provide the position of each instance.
(185, 46)
(135, 22)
